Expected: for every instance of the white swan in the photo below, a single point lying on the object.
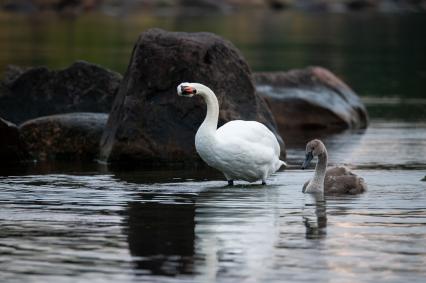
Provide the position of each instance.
(335, 180)
(241, 150)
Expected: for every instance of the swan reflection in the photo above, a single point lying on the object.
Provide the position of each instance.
(161, 237)
(315, 216)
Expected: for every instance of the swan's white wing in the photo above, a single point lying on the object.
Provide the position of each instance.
(239, 151)
(239, 131)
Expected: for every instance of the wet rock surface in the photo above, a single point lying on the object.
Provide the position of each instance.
(311, 99)
(149, 123)
(12, 148)
(72, 136)
(34, 92)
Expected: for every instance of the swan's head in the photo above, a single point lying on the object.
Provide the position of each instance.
(313, 148)
(186, 89)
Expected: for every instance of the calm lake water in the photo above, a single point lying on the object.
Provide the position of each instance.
(69, 223)
(183, 226)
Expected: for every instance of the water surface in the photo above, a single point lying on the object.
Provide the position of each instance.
(66, 223)
(376, 54)
(183, 226)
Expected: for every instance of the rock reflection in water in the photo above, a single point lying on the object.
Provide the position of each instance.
(161, 237)
(315, 216)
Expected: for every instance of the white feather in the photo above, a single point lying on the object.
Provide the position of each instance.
(241, 150)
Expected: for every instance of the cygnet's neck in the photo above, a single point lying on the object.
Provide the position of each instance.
(320, 169)
(209, 126)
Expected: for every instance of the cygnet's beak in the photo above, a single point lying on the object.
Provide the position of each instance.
(308, 159)
(187, 91)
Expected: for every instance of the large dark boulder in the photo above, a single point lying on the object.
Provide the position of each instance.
(72, 136)
(311, 99)
(36, 92)
(150, 124)
(12, 149)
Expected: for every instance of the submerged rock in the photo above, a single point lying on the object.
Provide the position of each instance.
(311, 99)
(72, 136)
(150, 124)
(12, 149)
(36, 92)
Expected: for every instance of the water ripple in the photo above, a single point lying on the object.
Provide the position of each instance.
(103, 228)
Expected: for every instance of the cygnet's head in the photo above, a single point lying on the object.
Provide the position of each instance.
(313, 148)
(186, 89)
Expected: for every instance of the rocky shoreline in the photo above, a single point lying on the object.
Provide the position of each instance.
(87, 112)
(79, 6)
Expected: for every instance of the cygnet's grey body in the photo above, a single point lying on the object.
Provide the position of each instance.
(335, 180)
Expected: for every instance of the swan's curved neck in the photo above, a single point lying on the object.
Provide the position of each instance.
(209, 126)
(320, 170)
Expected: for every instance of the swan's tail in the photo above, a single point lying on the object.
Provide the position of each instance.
(278, 165)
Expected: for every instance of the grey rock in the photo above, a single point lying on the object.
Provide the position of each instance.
(149, 124)
(72, 136)
(311, 99)
(36, 92)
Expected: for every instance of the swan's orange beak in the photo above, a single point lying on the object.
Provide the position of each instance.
(188, 90)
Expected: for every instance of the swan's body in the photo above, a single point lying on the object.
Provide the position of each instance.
(241, 150)
(335, 180)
